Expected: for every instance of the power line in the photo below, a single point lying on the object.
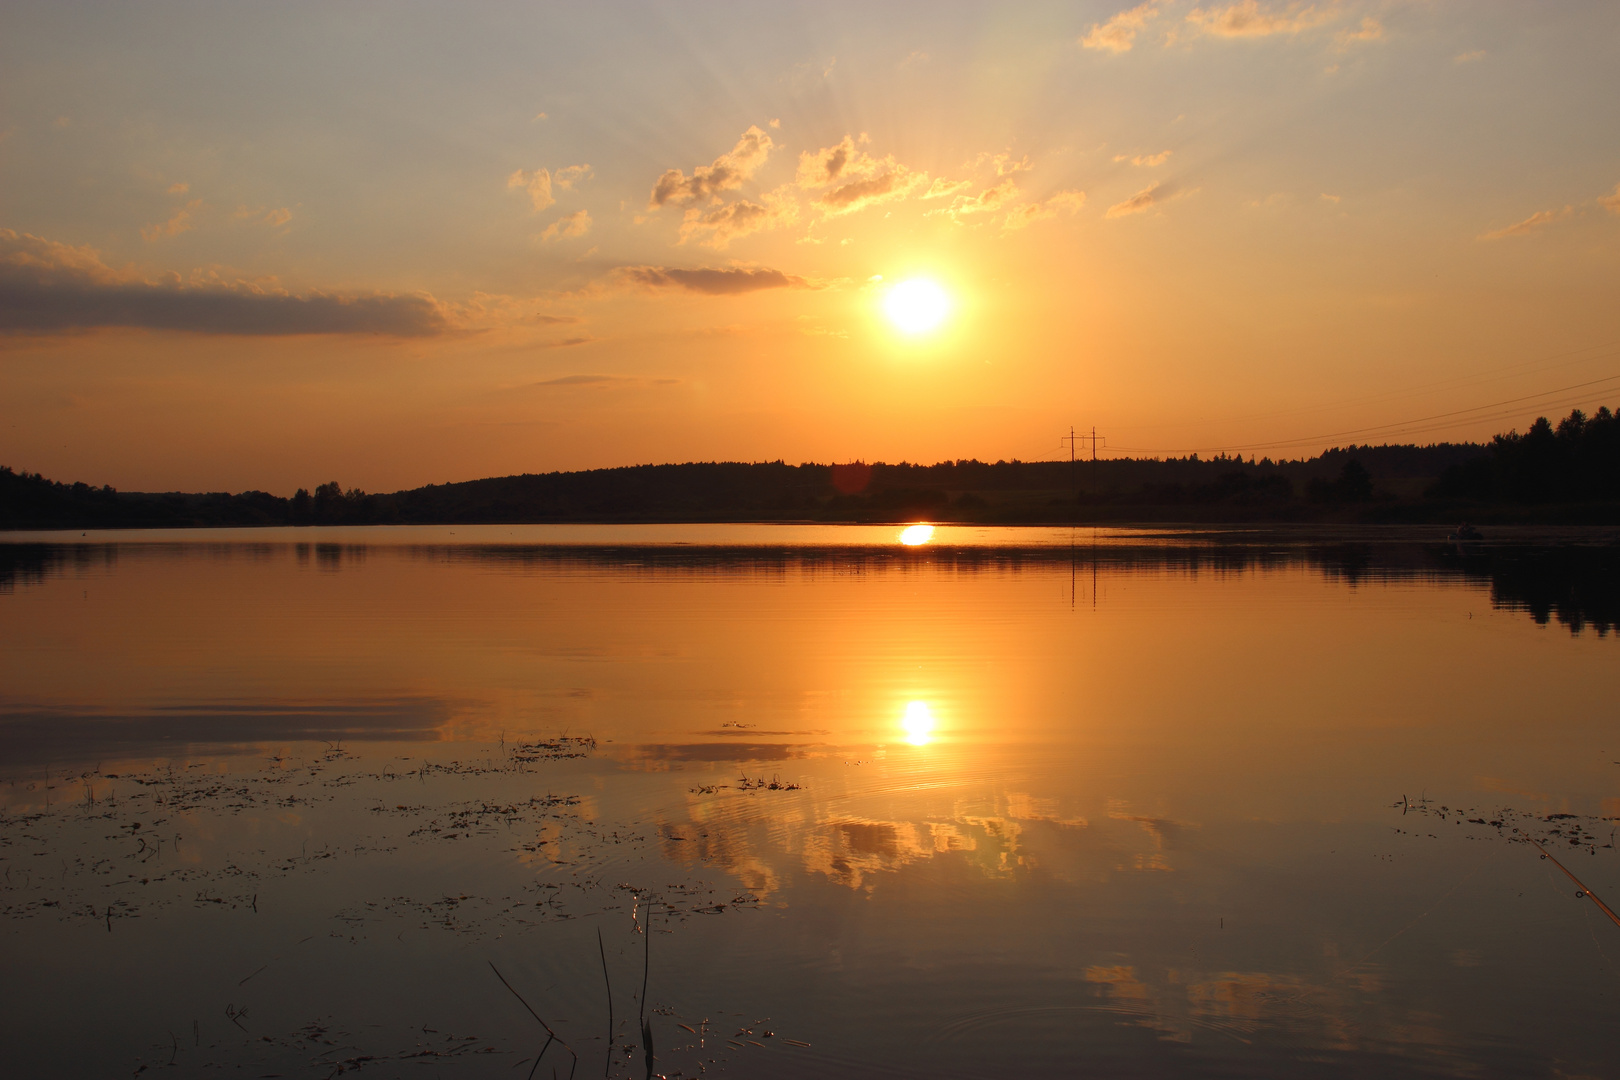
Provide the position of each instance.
(1401, 424)
(1498, 410)
(1493, 375)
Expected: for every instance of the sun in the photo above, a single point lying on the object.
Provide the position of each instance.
(918, 723)
(917, 306)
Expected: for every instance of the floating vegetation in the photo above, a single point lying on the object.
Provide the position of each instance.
(761, 784)
(1587, 832)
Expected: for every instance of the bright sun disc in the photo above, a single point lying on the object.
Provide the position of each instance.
(918, 723)
(915, 535)
(916, 306)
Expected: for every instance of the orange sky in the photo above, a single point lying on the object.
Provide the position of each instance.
(249, 248)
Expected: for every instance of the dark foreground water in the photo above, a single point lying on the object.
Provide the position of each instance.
(1005, 804)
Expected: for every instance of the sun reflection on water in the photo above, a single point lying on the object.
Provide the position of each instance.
(917, 534)
(918, 723)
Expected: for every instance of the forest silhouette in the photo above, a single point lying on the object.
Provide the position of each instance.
(1567, 473)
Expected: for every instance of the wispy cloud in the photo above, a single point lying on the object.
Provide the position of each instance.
(943, 187)
(179, 188)
(727, 172)
(569, 225)
(1145, 160)
(537, 184)
(892, 183)
(717, 226)
(178, 223)
(987, 201)
(711, 282)
(1539, 220)
(605, 382)
(1139, 203)
(566, 343)
(1006, 165)
(1469, 57)
(852, 180)
(566, 177)
(1118, 34)
(1247, 19)
(1027, 214)
(1611, 201)
(273, 218)
(1370, 30)
(47, 287)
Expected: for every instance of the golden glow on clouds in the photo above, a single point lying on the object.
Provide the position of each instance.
(917, 306)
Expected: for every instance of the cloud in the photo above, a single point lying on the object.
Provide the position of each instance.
(48, 287)
(1538, 220)
(711, 282)
(569, 225)
(537, 184)
(1611, 202)
(1118, 34)
(1468, 57)
(179, 188)
(605, 381)
(179, 223)
(852, 180)
(1141, 202)
(566, 343)
(1145, 160)
(1371, 30)
(892, 183)
(273, 218)
(943, 187)
(728, 171)
(1334, 199)
(566, 178)
(1247, 19)
(1006, 166)
(717, 226)
(817, 170)
(987, 201)
(582, 380)
(1027, 214)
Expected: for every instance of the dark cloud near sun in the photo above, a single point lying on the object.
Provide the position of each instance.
(49, 287)
(711, 282)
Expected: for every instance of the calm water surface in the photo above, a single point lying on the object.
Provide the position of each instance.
(1009, 803)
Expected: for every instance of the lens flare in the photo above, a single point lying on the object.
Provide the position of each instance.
(916, 535)
(918, 723)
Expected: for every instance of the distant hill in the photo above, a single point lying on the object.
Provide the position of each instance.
(1568, 473)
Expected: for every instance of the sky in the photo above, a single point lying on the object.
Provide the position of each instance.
(264, 246)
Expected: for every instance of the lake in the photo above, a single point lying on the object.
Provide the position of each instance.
(800, 801)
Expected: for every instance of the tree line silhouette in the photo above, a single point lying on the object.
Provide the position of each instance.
(1577, 461)
(1568, 472)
